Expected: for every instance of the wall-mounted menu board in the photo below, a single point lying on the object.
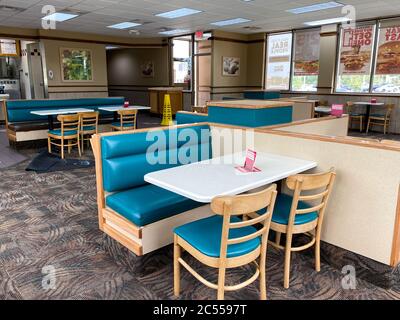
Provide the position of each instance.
(9, 48)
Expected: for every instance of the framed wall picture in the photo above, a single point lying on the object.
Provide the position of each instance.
(147, 69)
(76, 64)
(230, 66)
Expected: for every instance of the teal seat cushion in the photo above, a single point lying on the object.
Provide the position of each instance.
(148, 203)
(88, 128)
(356, 114)
(57, 132)
(118, 124)
(282, 208)
(377, 115)
(205, 236)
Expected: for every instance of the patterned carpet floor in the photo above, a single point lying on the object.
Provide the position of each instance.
(48, 223)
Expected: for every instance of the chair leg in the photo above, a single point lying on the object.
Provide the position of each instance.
(83, 143)
(384, 128)
(317, 255)
(177, 268)
(79, 147)
(221, 284)
(288, 250)
(49, 144)
(62, 148)
(263, 284)
(278, 238)
(361, 124)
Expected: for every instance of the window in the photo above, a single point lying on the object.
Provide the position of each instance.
(387, 66)
(279, 61)
(306, 60)
(182, 53)
(355, 58)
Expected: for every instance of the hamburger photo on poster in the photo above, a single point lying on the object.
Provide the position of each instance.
(306, 56)
(356, 47)
(388, 60)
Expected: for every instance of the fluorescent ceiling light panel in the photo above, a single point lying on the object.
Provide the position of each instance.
(124, 25)
(178, 13)
(230, 22)
(327, 21)
(174, 31)
(316, 7)
(60, 16)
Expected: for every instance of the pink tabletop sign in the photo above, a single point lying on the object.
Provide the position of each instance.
(337, 110)
(249, 162)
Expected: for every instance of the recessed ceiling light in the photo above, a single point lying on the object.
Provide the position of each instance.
(124, 25)
(174, 31)
(230, 22)
(327, 21)
(316, 7)
(60, 16)
(178, 13)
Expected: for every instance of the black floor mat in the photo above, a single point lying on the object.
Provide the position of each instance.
(47, 162)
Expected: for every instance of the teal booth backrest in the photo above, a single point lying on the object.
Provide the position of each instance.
(20, 110)
(186, 117)
(127, 158)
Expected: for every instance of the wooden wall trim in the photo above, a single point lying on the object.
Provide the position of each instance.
(360, 142)
(236, 40)
(79, 86)
(395, 255)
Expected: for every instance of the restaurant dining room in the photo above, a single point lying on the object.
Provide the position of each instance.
(186, 151)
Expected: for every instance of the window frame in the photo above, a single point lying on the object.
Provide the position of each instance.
(173, 60)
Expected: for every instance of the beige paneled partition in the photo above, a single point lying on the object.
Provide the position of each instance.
(361, 215)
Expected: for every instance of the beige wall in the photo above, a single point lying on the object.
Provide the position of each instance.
(124, 77)
(59, 88)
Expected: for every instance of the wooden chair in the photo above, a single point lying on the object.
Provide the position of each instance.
(225, 241)
(381, 119)
(293, 216)
(353, 116)
(89, 126)
(68, 134)
(320, 112)
(127, 120)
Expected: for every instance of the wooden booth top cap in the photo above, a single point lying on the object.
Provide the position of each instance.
(166, 89)
(249, 104)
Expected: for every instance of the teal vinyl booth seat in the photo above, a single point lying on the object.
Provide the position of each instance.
(22, 125)
(139, 215)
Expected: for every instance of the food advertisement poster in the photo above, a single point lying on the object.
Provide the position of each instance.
(388, 59)
(279, 52)
(355, 50)
(306, 56)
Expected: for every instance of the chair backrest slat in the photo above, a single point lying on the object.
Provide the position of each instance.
(314, 196)
(246, 238)
(311, 209)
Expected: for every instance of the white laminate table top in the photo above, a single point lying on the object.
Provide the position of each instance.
(323, 109)
(113, 109)
(60, 111)
(369, 103)
(203, 181)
